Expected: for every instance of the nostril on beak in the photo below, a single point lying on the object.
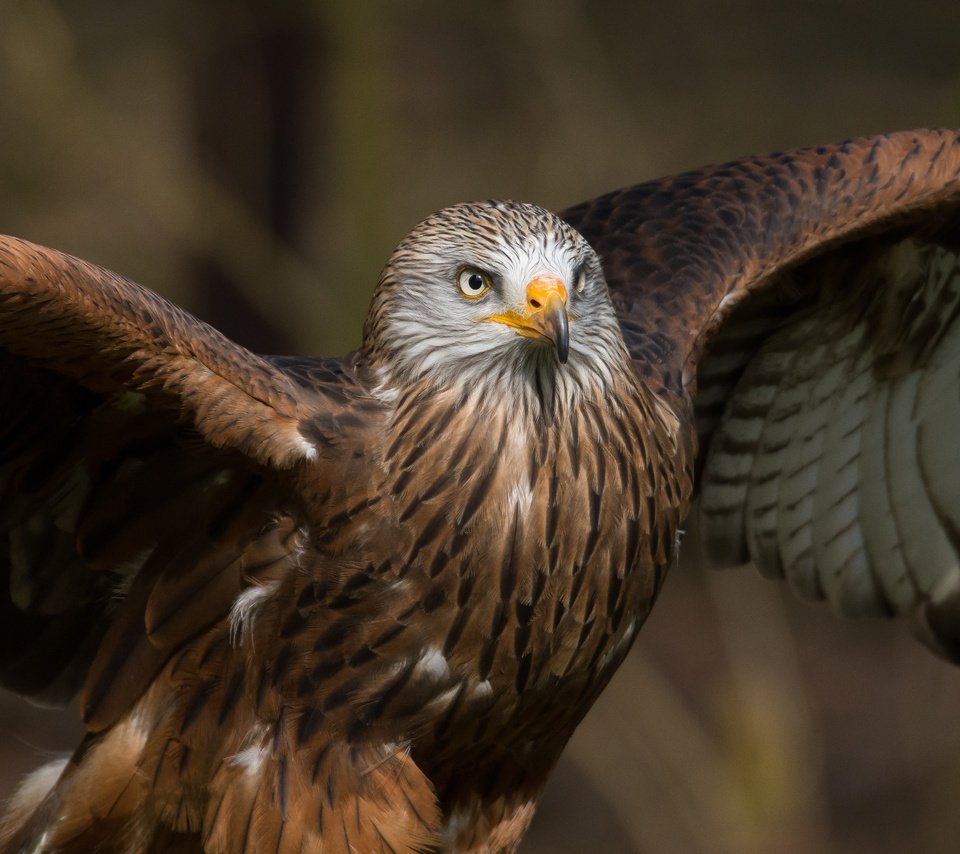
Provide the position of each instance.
(534, 303)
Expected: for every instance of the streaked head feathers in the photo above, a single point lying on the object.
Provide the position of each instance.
(464, 298)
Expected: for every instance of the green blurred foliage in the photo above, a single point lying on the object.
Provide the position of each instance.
(256, 162)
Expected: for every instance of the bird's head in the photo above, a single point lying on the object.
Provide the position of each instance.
(493, 291)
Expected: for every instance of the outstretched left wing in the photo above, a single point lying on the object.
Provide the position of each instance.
(807, 304)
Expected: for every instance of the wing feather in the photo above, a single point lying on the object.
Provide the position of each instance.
(845, 573)
(764, 484)
(926, 549)
(881, 533)
(800, 457)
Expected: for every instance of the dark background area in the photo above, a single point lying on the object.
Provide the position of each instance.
(257, 162)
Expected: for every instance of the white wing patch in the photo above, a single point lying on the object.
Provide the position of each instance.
(252, 757)
(432, 665)
(245, 608)
(28, 796)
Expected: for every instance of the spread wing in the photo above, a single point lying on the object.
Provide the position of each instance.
(807, 302)
(144, 468)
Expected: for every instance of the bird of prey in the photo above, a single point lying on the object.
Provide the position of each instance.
(361, 604)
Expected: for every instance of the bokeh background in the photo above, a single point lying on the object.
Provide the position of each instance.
(256, 162)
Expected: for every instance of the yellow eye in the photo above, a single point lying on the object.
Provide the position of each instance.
(473, 283)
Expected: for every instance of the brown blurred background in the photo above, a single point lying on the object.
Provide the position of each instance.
(256, 162)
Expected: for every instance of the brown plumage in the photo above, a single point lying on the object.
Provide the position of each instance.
(361, 604)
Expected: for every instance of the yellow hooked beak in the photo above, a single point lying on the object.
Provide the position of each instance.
(544, 314)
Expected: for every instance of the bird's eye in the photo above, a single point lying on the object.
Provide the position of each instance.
(473, 283)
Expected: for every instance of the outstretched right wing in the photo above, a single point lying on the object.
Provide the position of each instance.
(144, 477)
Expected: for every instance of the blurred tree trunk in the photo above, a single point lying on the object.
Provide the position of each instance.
(253, 95)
